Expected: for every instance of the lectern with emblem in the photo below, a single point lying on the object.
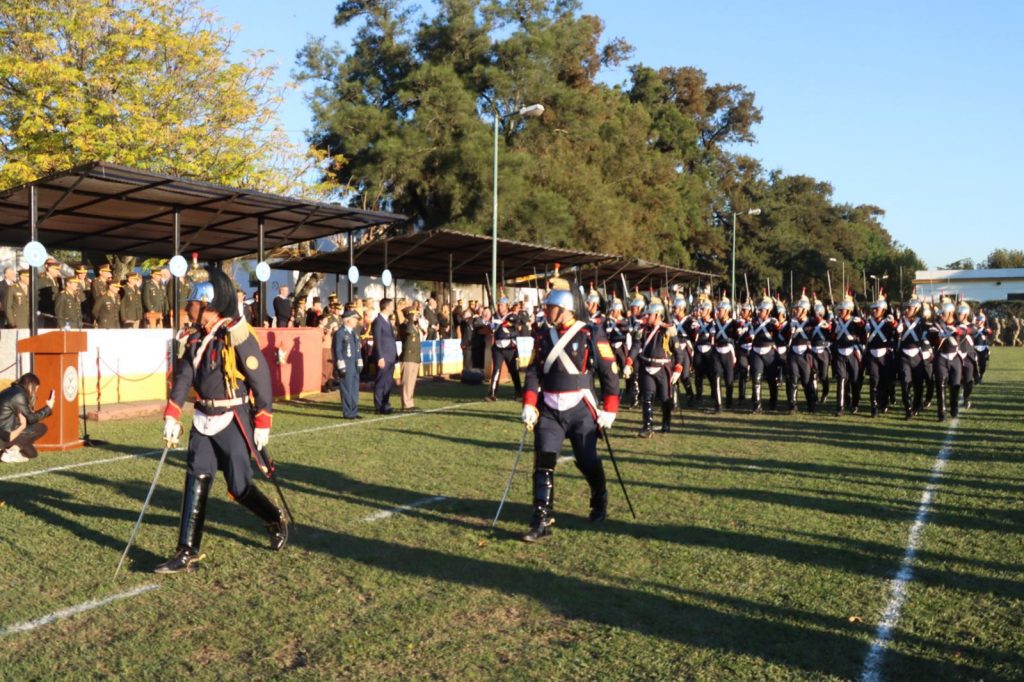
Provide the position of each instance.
(56, 365)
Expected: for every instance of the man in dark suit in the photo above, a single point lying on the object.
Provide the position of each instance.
(283, 308)
(385, 354)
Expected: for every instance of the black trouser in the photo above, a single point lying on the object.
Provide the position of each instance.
(227, 451)
(743, 369)
(879, 375)
(685, 383)
(27, 438)
(723, 369)
(850, 373)
(763, 366)
(509, 358)
(912, 376)
(382, 386)
(822, 360)
(553, 427)
(801, 371)
(982, 362)
(703, 368)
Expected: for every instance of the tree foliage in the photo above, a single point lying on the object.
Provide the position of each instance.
(146, 83)
(648, 169)
(1005, 258)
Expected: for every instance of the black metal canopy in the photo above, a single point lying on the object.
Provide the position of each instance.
(115, 209)
(428, 255)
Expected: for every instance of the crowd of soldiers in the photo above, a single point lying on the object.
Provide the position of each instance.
(804, 347)
(101, 302)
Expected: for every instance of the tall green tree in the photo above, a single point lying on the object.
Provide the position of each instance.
(655, 168)
(1005, 258)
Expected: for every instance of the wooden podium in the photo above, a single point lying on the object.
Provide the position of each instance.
(56, 365)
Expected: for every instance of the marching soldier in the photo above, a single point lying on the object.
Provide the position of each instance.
(615, 328)
(743, 346)
(223, 363)
(16, 305)
(633, 323)
(726, 334)
(880, 331)
(684, 325)
(657, 360)
(821, 356)
(928, 357)
(567, 355)
(701, 334)
(763, 359)
(913, 338)
(847, 355)
(348, 361)
(982, 337)
(67, 309)
(131, 302)
(968, 355)
(781, 353)
(797, 336)
(47, 288)
(107, 309)
(503, 349)
(154, 299)
(945, 338)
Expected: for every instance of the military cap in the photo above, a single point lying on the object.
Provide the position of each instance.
(104, 268)
(81, 270)
(351, 312)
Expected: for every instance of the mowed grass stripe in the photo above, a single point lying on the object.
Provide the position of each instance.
(731, 571)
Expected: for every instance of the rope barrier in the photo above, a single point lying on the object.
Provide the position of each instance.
(143, 378)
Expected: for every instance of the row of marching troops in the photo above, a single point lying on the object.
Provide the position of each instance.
(665, 355)
(101, 302)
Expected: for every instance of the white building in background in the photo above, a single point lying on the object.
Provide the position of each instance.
(1006, 284)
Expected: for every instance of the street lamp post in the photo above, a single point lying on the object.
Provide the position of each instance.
(751, 211)
(878, 283)
(532, 111)
(833, 260)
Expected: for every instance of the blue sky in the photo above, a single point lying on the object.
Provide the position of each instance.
(911, 106)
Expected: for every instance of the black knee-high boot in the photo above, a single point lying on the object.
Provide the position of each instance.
(190, 533)
(755, 392)
(773, 394)
(873, 394)
(743, 388)
(647, 417)
(666, 416)
(716, 393)
(543, 498)
(840, 396)
(940, 398)
(272, 516)
(954, 401)
(907, 410)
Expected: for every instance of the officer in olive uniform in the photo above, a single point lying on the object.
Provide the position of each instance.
(223, 363)
(67, 308)
(99, 288)
(16, 305)
(107, 308)
(47, 288)
(82, 293)
(154, 300)
(348, 361)
(131, 302)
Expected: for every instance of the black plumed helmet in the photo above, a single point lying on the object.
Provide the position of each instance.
(224, 300)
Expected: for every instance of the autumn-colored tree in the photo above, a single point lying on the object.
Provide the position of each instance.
(145, 83)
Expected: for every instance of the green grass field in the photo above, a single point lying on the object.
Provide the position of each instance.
(765, 547)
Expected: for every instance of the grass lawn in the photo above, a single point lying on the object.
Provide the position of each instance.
(764, 548)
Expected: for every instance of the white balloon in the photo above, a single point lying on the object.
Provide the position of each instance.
(353, 275)
(35, 254)
(262, 271)
(385, 278)
(178, 266)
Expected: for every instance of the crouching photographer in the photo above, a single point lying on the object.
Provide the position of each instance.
(20, 425)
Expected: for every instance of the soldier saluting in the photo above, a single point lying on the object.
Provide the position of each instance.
(223, 363)
(567, 353)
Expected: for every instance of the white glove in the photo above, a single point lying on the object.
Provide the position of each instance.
(172, 431)
(675, 377)
(530, 416)
(359, 363)
(340, 365)
(260, 438)
(627, 371)
(605, 419)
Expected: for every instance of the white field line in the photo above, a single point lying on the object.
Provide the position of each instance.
(30, 625)
(388, 513)
(364, 422)
(898, 588)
